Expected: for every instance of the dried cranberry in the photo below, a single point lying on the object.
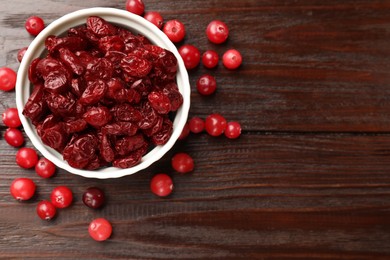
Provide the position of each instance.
(33, 75)
(81, 151)
(100, 68)
(60, 105)
(73, 43)
(106, 150)
(100, 27)
(162, 136)
(75, 125)
(128, 144)
(97, 116)
(128, 161)
(120, 128)
(156, 128)
(77, 86)
(149, 116)
(126, 112)
(71, 60)
(111, 43)
(134, 66)
(35, 107)
(93, 93)
(55, 137)
(160, 102)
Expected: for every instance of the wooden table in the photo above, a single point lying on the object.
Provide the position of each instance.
(309, 178)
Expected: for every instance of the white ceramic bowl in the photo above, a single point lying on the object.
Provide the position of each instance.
(122, 18)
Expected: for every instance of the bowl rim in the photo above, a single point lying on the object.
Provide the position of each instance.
(142, 24)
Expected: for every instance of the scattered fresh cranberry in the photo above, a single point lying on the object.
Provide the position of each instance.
(26, 157)
(22, 188)
(210, 59)
(182, 162)
(46, 210)
(155, 18)
(161, 185)
(232, 59)
(100, 229)
(215, 124)
(175, 30)
(7, 79)
(21, 53)
(14, 137)
(233, 130)
(11, 117)
(185, 132)
(196, 125)
(217, 31)
(45, 168)
(94, 198)
(135, 6)
(34, 25)
(190, 55)
(206, 85)
(61, 197)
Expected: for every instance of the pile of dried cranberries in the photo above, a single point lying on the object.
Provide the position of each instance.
(102, 96)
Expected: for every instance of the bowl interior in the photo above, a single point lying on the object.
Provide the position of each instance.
(122, 18)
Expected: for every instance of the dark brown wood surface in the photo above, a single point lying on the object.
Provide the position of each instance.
(308, 179)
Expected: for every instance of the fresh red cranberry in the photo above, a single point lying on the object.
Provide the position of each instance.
(185, 132)
(161, 185)
(175, 30)
(61, 197)
(22, 188)
(14, 137)
(190, 55)
(182, 162)
(210, 59)
(34, 25)
(233, 130)
(232, 59)
(196, 125)
(7, 79)
(100, 229)
(21, 53)
(45, 168)
(46, 210)
(11, 117)
(217, 31)
(155, 18)
(93, 197)
(26, 157)
(206, 85)
(215, 124)
(135, 6)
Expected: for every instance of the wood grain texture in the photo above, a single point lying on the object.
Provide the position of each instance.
(308, 179)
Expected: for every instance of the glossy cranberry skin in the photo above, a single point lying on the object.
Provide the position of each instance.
(233, 130)
(185, 132)
(22, 188)
(217, 31)
(196, 125)
(26, 157)
(161, 185)
(93, 197)
(135, 6)
(11, 117)
(21, 53)
(175, 30)
(232, 59)
(34, 25)
(155, 18)
(7, 79)
(100, 229)
(210, 59)
(215, 124)
(182, 162)
(206, 85)
(61, 197)
(45, 168)
(46, 210)
(14, 137)
(190, 55)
